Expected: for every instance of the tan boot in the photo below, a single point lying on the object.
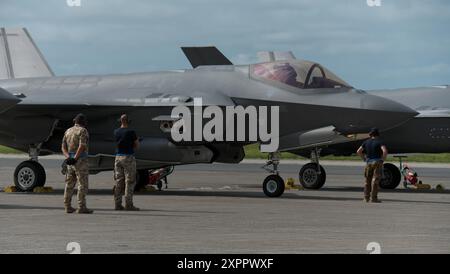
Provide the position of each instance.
(131, 208)
(119, 207)
(84, 210)
(375, 201)
(69, 210)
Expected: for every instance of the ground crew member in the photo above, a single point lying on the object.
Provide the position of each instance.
(125, 165)
(374, 152)
(75, 149)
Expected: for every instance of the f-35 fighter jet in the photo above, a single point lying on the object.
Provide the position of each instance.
(313, 105)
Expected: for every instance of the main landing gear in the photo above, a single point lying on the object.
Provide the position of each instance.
(391, 176)
(313, 175)
(273, 185)
(30, 174)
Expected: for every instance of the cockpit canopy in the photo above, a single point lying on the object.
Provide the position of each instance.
(299, 74)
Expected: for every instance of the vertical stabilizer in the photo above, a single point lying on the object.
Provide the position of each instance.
(20, 57)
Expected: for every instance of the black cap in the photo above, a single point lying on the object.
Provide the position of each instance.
(80, 119)
(374, 132)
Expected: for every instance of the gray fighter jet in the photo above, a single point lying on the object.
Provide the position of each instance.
(428, 132)
(315, 108)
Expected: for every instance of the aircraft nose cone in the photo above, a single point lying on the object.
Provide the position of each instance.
(386, 113)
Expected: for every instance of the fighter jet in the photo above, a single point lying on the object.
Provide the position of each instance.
(315, 106)
(428, 132)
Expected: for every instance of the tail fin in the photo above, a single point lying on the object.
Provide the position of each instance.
(20, 57)
(205, 56)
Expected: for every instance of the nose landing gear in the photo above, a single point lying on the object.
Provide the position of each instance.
(30, 174)
(273, 185)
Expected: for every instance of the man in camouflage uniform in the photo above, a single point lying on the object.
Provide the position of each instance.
(75, 149)
(125, 165)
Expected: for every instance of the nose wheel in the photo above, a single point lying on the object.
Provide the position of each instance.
(273, 185)
(28, 175)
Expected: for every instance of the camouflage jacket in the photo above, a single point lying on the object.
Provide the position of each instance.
(74, 137)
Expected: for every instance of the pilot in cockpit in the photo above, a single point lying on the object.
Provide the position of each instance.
(282, 72)
(286, 73)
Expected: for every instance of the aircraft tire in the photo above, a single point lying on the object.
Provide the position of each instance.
(28, 175)
(392, 176)
(43, 175)
(273, 186)
(310, 179)
(141, 179)
(159, 184)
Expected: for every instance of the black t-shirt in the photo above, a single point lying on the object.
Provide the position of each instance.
(372, 149)
(125, 139)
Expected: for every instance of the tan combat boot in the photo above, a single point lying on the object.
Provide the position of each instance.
(131, 208)
(119, 207)
(84, 210)
(69, 210)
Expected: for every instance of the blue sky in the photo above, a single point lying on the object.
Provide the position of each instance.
(400, 44)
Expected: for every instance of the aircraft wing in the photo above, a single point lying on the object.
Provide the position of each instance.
(316, 138)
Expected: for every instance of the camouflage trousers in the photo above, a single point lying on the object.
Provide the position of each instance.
(373, 175)
(125, 177)
(77, 173)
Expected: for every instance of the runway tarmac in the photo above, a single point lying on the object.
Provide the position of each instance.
(220, 208)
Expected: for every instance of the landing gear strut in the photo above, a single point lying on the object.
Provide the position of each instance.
(273, 185)
(30, 174)
(313, 175)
